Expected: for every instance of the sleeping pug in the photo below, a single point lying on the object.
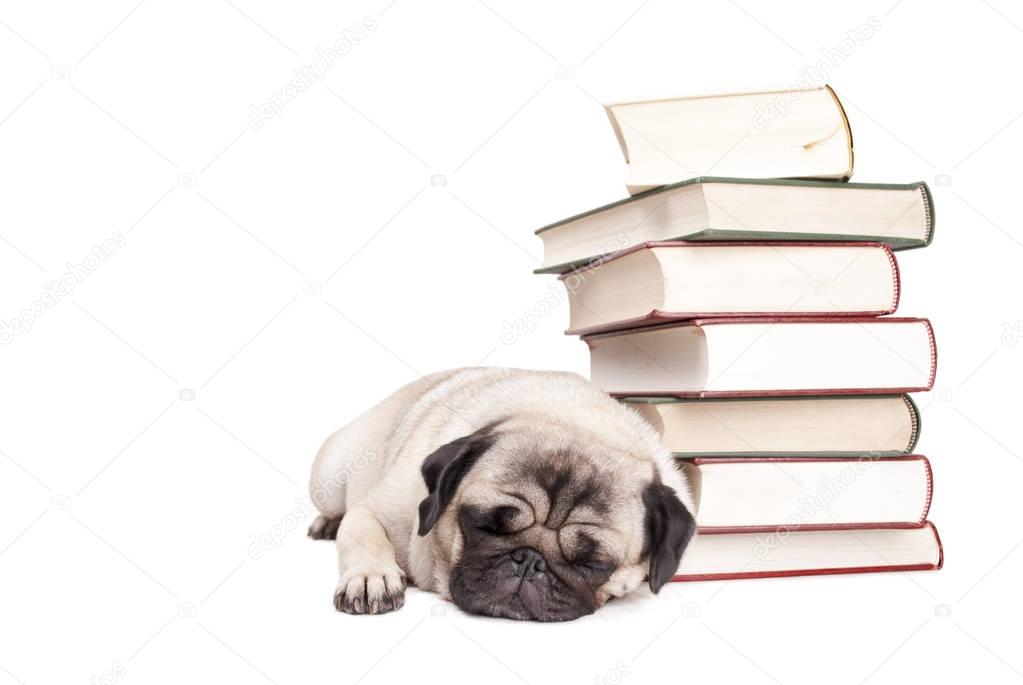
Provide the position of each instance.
(528, 495)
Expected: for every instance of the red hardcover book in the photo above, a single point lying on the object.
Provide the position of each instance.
(766, 356)
(783, 553)
(657, 282)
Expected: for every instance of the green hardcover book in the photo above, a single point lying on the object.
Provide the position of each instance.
(712, 208)
(864, 425)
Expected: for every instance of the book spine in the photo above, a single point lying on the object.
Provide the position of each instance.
(934, 355)
(896, 279)
(915, 422)
(929, 214)
(848, 131)
(930, 492)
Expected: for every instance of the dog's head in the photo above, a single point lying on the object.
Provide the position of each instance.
(549, 527)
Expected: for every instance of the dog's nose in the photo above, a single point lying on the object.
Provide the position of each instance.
(527, 562)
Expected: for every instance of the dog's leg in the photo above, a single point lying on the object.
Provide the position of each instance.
(352, 459)
(324, 527)
(331, 474)
(371, 581)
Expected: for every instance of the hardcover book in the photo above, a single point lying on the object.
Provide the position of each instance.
(765, 134)
(744, 209)
(880, 425)
(766, 356)
(658, 282)
(809, 493)
(735, 555)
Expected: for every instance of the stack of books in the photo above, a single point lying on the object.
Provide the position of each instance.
(748, 318)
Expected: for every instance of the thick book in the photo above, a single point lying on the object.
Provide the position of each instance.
(727, 556)
(717, 208)
(880, 425)
(763, 134)
(750, 494)
(663, 281)
(766, 356)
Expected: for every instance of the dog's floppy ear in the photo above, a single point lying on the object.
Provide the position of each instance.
(444, 470)
(669, 527)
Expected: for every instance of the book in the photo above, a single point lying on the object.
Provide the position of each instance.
(726, 556)
(766, 356)
(739, 302)
(663, 281)
(718, 208)
(881, 425)
(766, 134)
(804, 493)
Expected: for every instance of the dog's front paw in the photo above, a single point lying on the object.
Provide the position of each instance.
(370, 591)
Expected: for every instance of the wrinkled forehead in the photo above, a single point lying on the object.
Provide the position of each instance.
(565, 486)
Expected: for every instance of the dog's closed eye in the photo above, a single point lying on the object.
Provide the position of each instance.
(505, 519)
(586, 555)
(500, 520)
(598, 568)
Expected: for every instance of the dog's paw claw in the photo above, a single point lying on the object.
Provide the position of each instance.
(370, 592)
(324, 528)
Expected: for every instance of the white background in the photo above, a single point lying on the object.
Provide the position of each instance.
(133, 540)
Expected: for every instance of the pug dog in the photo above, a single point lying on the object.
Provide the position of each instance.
(528, 495)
